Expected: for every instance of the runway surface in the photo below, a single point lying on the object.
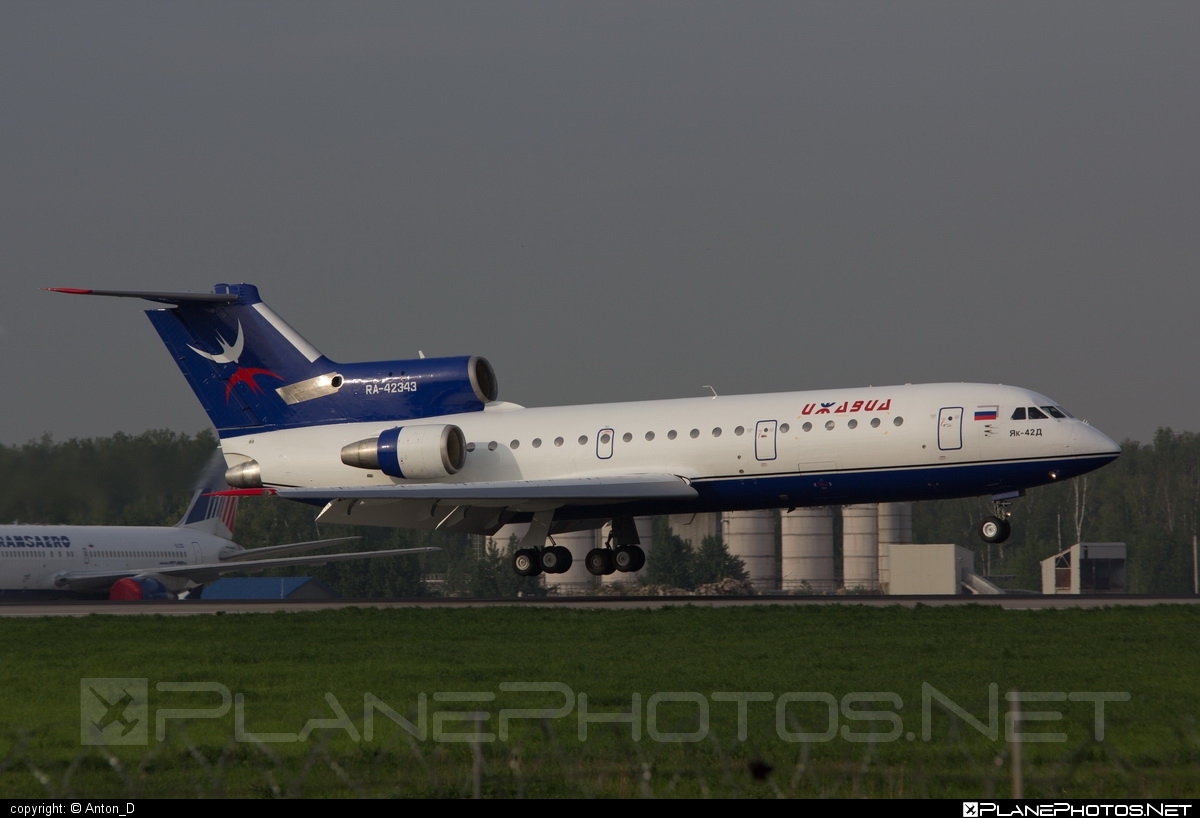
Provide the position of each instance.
(202, 607)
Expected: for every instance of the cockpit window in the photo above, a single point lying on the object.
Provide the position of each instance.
(1054, 412)
(1019, 413)
(1036, 414)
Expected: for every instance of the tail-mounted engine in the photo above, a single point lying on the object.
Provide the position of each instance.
(404, 390)
(410, 452)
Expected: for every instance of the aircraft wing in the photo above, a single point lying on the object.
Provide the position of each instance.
(573, 490)
(249, 554)
(86, 581)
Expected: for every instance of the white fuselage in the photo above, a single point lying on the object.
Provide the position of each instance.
(868, 444)
(32, 557)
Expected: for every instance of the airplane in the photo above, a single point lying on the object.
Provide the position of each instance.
(424, 443)
(114, 712)
(149, 562)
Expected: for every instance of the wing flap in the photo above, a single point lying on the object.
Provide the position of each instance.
(603, 489)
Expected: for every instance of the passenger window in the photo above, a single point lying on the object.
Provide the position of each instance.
(1019, 413)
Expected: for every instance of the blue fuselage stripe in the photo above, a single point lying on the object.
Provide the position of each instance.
(734, 493)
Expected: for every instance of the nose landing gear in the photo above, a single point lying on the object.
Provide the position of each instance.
(995, 528)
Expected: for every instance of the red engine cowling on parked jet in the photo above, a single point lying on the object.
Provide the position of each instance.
(137, 588)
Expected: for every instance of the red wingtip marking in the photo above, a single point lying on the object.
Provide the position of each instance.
(70, 290)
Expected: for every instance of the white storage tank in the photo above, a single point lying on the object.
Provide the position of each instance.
(750, 536)
(501, 539)
(806, 539)
(693, 528)
(895, 528)
(895, 522)
(860, 547)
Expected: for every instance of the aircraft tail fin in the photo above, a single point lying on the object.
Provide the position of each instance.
(249, 368)
(252, 372)
(214, 515)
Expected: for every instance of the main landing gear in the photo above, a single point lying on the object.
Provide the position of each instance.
(621, 552)
(533, 556)
(995, 528)
(550, 559)
(607, 560)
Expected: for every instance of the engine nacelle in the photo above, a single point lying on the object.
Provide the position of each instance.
(410, 452)
(394, 391)
(137, 588)
(246, 475)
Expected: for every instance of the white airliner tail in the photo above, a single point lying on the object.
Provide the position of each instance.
(209, 514)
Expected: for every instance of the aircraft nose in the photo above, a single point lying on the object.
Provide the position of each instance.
(1089, 440)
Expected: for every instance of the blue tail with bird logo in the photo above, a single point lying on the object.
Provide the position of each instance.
(252, 372)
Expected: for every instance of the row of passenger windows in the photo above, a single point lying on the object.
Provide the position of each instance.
(1034, 413)
(605, 438)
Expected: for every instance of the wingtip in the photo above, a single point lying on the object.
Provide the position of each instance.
(266, 492)
(68, 290)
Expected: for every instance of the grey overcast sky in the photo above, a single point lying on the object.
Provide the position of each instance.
(610, 200)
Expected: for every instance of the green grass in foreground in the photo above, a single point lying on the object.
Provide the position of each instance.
(838, 706)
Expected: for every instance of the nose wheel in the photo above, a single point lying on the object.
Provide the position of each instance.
(994, 530)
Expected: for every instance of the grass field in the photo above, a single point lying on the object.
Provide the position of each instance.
(754, 702)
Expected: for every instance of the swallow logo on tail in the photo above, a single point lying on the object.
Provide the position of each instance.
(229, 354)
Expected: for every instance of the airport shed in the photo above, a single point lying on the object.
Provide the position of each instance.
(1086, 568)
(908, 569)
